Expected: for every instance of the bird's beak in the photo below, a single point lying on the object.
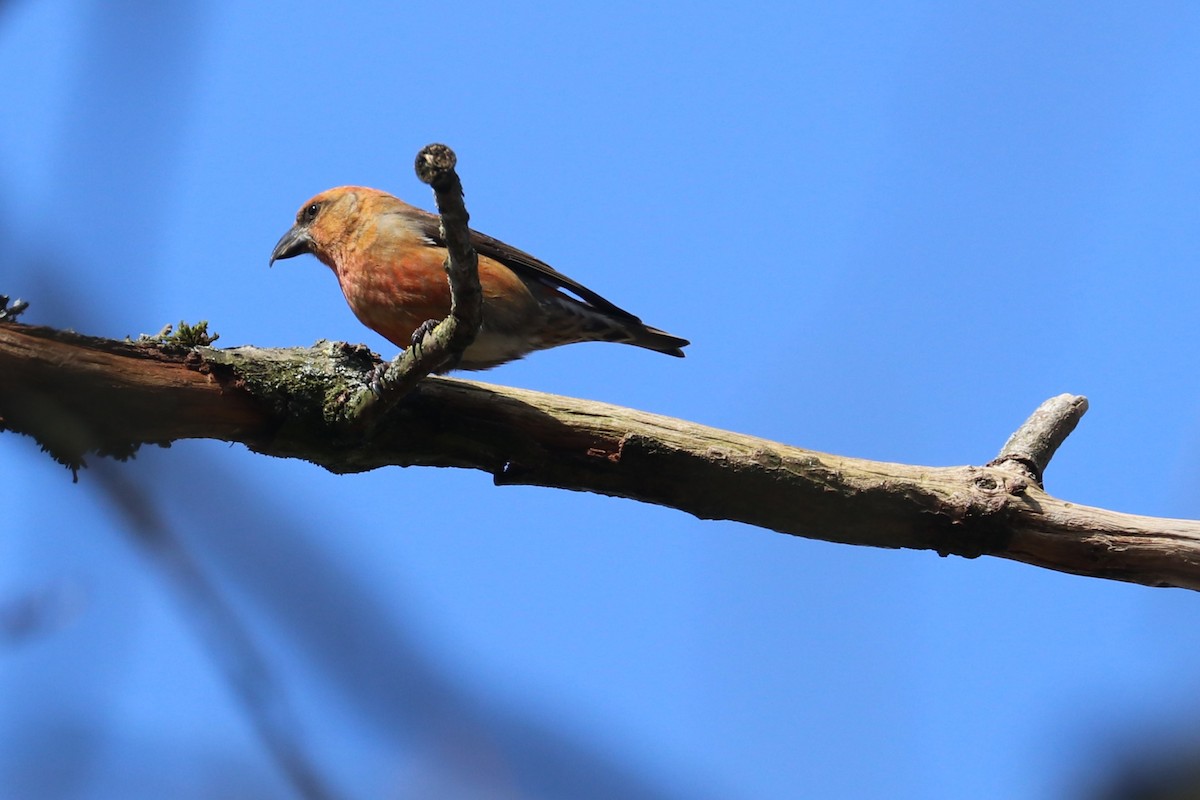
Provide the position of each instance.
(294, 243)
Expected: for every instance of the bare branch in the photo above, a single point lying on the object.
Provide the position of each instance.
(78, 395)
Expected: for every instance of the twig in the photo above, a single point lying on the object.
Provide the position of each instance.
(9, 313)
(1032, 445)
(435, 347)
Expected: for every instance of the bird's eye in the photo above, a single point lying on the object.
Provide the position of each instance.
(310, 212)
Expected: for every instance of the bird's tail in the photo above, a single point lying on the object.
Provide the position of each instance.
(573, 321)
(654, 339)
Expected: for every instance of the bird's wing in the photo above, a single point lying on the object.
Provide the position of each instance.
(525, 266)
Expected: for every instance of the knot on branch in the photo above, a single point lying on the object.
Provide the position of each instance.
(978, 521)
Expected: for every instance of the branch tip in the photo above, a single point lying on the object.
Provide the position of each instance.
(1032, 445)
(435, 165)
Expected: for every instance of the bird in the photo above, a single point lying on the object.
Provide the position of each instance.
(388, 258)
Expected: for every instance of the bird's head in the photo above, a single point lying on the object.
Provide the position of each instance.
(320, 223)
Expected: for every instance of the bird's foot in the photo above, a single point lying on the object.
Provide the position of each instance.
(375, 382)
(419, 334)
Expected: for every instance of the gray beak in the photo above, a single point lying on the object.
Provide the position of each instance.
(295, 242)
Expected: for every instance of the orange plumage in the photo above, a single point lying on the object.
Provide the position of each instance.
(388, 258)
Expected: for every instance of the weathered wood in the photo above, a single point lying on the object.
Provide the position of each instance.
(79, 395)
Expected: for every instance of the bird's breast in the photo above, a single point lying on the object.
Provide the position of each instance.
(393, 293)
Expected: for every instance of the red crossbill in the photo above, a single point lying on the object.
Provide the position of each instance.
(388, 259)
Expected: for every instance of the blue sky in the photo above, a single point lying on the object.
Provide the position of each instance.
(889, 229)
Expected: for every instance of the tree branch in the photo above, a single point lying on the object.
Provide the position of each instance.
(80, 395)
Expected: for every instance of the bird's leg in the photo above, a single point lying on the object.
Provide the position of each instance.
(376, 381)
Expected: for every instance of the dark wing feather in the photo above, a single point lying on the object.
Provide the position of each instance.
(526, 266)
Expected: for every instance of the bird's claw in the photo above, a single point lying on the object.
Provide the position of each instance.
(419, 334)
(375, 382)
